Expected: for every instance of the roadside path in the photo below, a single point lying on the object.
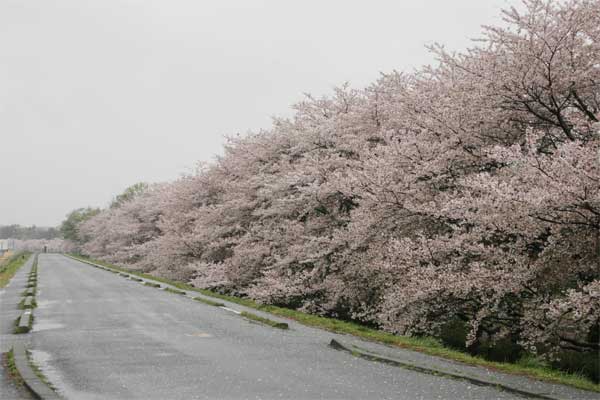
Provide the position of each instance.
(10, 296)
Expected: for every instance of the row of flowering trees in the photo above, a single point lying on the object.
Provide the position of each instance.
(468, 191)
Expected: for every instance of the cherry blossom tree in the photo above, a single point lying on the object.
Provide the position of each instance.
(466, 191)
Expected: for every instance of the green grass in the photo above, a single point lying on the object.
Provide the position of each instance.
(174, 291)
(209, 302)
(263, 320)
(11, 267)
(11, 367)
(425, 345)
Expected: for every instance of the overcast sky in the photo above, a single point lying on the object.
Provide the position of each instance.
(98, 95)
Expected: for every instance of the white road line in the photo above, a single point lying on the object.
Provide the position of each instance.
(231, 309)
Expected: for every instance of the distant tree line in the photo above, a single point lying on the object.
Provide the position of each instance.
(28, 232)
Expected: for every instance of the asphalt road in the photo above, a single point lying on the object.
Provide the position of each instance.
(100, 336)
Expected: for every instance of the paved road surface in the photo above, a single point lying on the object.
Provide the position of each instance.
(100, 336)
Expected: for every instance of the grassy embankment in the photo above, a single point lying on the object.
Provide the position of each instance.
(528, 366)
(13, 372)
(5, 256)
(10, 266)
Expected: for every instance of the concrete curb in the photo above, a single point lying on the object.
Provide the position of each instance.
(24, 321)
(334, 344)
(28, 303)
(38, 388)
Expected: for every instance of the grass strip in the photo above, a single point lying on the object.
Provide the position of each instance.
(11, 267)
(151, 284)
(366, 355)
(431, 346)
(168, 289)
(209, 302)
(5, 257)
(11, 367)
(263, 320)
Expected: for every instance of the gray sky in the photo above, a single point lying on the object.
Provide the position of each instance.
(98, 95)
